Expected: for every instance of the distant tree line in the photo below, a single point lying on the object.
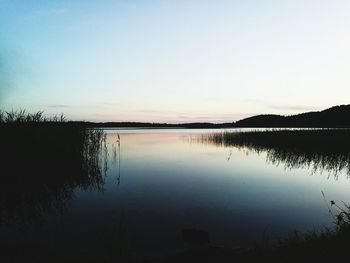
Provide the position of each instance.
(334, 117)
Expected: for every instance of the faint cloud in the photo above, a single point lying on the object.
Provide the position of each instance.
(57, 106)
(214, 118)
(293, 107)
(157, 111)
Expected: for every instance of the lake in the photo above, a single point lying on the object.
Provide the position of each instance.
(157, 183)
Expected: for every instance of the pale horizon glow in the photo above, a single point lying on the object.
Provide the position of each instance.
(174, 60)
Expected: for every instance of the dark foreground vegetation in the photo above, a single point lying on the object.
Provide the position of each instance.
(42, 162)
(330, 245)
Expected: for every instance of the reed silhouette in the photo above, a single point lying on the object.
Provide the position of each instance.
(42, 162)
(317, 149)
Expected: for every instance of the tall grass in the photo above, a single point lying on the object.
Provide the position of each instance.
(329, 244)
(43, 161)
(326, 149)
(22, 116)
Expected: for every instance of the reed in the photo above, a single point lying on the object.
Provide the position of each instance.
(317, 149)
(43, 161)
(22, 116)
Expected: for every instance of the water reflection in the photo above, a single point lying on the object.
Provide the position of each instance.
(169, 186)
(41, 167)
(317, 150)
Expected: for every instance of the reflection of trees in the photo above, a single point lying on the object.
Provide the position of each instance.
(327, 150)
(42, 164)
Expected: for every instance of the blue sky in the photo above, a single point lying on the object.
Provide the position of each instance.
(174, 61)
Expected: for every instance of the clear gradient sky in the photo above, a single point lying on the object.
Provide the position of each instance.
(174, 60)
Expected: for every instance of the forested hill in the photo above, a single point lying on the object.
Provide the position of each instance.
(338, 116)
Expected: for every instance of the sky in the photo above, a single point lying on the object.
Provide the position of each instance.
(174, 60)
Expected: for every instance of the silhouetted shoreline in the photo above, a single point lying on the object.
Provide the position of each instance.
(334, 117)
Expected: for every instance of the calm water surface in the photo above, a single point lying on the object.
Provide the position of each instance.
(159, 182)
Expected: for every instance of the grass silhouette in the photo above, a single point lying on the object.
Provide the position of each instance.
(318, 149)
(43, 161)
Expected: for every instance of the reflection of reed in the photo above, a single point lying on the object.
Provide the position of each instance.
(327, 149)
(42, 164)
(118, 143)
